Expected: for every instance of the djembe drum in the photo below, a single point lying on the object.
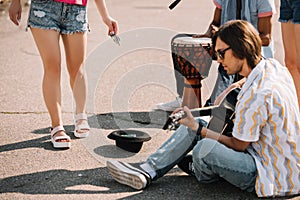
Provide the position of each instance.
(193, 58)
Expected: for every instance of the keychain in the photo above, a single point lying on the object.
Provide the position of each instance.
(115, 38)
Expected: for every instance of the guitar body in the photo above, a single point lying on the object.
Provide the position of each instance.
(221, 121)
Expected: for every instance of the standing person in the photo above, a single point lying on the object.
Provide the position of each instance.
(290, 28)
(263, 154)
(257, 12)
(50, 20)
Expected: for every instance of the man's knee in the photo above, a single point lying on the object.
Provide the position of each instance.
(205, 148)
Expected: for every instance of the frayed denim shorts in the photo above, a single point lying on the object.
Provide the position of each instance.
(62, 17)
(290, 11)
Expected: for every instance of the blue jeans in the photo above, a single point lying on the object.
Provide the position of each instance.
(290, 10)
(62, 17)
(211, 159)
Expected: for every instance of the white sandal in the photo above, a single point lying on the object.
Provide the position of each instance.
(63, 137)
(83, 126)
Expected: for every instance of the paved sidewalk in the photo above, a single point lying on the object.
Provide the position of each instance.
(124, 83)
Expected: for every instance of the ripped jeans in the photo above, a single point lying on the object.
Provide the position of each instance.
(62, 17)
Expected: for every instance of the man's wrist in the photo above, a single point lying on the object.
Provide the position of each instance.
(194, 126)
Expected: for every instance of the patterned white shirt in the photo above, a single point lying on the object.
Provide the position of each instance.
(267, 115)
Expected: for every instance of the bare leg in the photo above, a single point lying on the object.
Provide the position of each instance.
(75, 48)
(47, 42)
(291, 42)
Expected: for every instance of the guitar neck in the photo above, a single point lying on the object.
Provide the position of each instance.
(220, 101)
(204, 111)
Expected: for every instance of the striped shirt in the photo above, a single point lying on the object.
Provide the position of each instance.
(267, 115)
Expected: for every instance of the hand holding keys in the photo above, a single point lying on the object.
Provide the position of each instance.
(115, 38)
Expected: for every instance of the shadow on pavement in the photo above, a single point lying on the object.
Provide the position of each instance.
(118, 120)
(42, 142)
(58, 182)
(123, 120)
(98, 180)
(94, 181)
(113, 152)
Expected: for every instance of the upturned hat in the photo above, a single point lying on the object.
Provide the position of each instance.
(129, 140)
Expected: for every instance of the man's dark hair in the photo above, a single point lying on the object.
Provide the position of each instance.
(243, 39)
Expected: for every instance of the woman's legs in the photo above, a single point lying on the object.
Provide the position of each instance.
(47, 42)
(291, 42)
(75, 48)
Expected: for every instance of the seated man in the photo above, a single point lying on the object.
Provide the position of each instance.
(263, 154)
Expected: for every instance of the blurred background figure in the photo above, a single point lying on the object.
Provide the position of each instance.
(290, 28)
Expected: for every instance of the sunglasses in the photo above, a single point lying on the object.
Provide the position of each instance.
(221, 53)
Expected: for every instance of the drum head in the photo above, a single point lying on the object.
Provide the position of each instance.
(191, 40)
(192, 56)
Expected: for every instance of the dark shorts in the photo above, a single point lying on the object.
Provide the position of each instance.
(62, 17)
(290, 11)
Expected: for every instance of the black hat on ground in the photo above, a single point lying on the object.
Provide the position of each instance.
(129, 140)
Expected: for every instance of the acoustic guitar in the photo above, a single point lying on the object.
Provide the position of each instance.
(221, 116)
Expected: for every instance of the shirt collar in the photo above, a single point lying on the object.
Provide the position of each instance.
(258, 70)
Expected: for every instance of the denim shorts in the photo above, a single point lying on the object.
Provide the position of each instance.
(62, 17)
(290, 11)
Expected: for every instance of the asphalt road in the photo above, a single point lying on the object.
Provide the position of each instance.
(125, 82)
